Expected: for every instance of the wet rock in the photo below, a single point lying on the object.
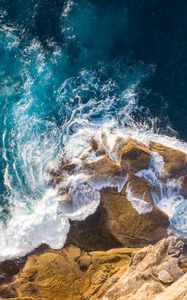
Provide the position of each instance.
(175, 160)
(125, 217)
(135, 155)
(184, 186)
(116, 223)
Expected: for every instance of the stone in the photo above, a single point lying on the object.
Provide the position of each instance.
(94, 264)
(150, 271)
(68, 274)
(176, 291)
(135, 155)
(175, 160)
(117, 224)
(165, 277)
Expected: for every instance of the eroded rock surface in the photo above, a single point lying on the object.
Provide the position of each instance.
(116, 223)
(175, 160)
(120, 274)
(68, 274)
(176, 291)
(127, 216)
(151, 270)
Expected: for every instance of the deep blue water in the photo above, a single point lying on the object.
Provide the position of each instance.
(63, 61)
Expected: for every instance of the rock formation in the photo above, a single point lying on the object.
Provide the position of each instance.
(152, 269)
(126, 216)
(68, 274)
(126, 273)
(116, 223)
(102, 259)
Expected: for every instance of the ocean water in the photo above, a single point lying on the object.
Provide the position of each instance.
(70, 69)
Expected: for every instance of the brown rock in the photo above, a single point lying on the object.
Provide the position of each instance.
(133, 274)
(68, 274)
(175, 160)
(183, 262)
(127, 225)
(135, 155)
(116, 223)
(140, 188)
(104, 168)
(9, 268)
(75, 274)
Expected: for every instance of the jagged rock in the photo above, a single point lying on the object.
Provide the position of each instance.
(176, 291)
(127, 225)
(107, 229)
(129, 217)
(150, 271)
(126, 217)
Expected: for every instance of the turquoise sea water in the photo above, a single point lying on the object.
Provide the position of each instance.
(67, 65)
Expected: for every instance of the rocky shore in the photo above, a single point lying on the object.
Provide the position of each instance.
(125, 249)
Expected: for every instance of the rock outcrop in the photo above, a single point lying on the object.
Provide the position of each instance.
(126, 216)
(120, 274)
(70, 274)
(152, 269)
(116, 223)
(176, 291)
(175, 160)
(102, 259)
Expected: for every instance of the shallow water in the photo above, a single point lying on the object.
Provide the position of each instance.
(69, 68)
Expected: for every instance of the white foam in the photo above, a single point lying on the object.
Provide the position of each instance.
(139, 204)
(26, 231)
(67, 7)
(166, 196)
(178, 221)
(117, 182)
(7, 179)
(81, 200)
(48, 221)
